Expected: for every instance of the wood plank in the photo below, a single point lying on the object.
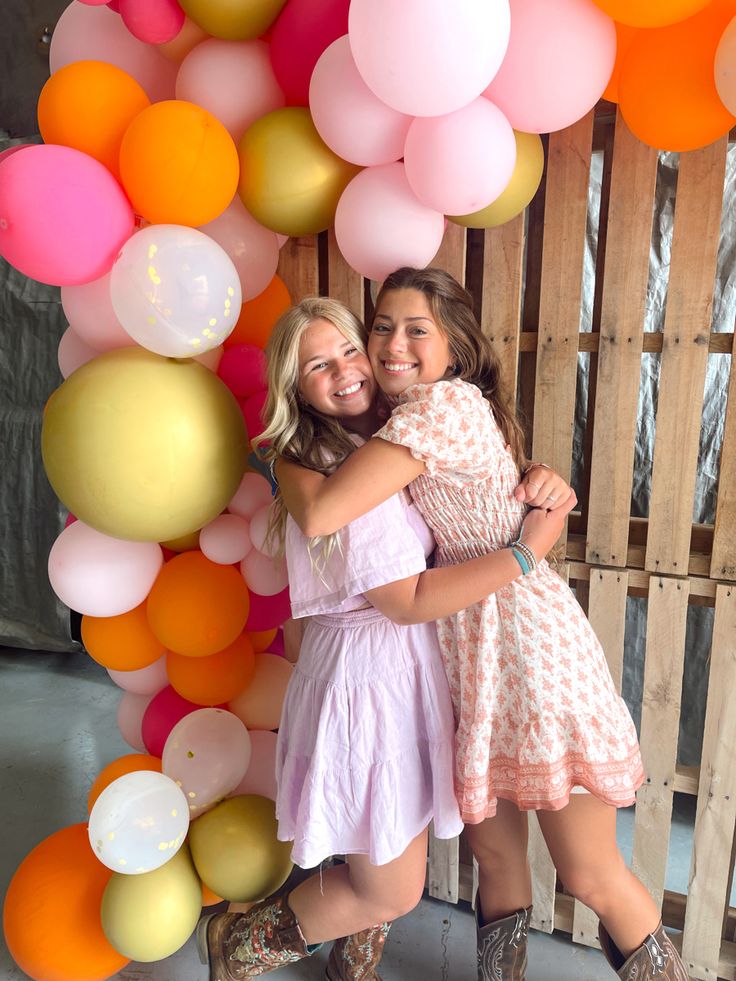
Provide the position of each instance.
(501, 292)
(544, 880)
(343, 282)
(452, 252)
(631, 206)
(444, 868)
(715, 820)
(684, 356)
(660, 722)
(565, 214)
(607, 615)
(719, 342)
(723, 565)
(299, 267)
(641, 580)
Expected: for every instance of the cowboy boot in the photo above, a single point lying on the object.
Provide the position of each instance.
(239, 946)
(655, 958)
(354, 958)
(502, 947)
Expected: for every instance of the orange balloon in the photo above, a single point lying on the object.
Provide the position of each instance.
(216, 678)
(624, 38)
(261, 639)
(667, 90)
(650, 13)
(124, 642)
(51, 916)
(88, 105)
(197, 607)
(178, 164)
(209, 898)
(258, 315)
(118, 768)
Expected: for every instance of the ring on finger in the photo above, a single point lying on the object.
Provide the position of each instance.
(551, 497)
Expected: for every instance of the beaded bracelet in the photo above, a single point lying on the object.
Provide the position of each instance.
(524, 556)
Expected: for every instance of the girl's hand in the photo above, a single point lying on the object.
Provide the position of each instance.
(541, 529)
(542, 487)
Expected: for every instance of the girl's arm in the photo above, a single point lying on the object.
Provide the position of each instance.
(442, 592)
(371, 475)
(293, 633)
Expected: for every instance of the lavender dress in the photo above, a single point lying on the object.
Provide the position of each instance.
(365, 746)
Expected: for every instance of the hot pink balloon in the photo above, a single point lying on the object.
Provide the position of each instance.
(253, 249)
(131, 710)
(101, 576)
(349, 117)
(461, 162)
(94, 3)
(143, 681)
(260, 777)
(152, 21)
(428, 57)
(88, 309)
(243, 369)
(163, 712)
(73, 352)
(226, 539)
(559, 61)
(267, 612)
(63, 216)
(277, 644)
(252, 494)
(380, 224)
(303, 30)
(96, 33)
(252, 407)
(233, 80)
(13, 149)
(264, 575)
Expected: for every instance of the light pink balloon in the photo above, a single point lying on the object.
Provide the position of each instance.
(253, 249)
(259, 532)
(253, 493)
(142, 681)
(349, 117)
(97, 34)
(73, 352)
(131, 710)
(259, 706)
(88, 309)
(211, 359)
(428, 57)
(559, 61)
(282, 239)
(380, 224)
(207, 753)
(260, 777)
(226, 539)
(233, 80)
(152, 21)
(101, 576)
(461, 162)
(263, 574)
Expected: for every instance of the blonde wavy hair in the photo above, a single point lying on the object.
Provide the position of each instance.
(295, 430)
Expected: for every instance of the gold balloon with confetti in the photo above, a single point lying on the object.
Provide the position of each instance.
(233, 20)
(290, 181)
(142, 447)
(236, 852)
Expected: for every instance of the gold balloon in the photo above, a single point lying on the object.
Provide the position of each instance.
(518, 192)
(233, 20)
(148, 917)
(186, 543)
(236, 852)
(290, 181)
(142, 447)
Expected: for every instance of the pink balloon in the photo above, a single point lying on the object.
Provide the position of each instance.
(142, 681)
(259, 532)
(253, 249)
(131, 710)
(73, 352)
(264, 575)
(349, 117)
(152, 21)
(461, 162)
(259, 705)
(260, 777)
(114, 5)
(559, 61)
(163, 712)
(13, 149)
(88, 309)
(381, 225)
(94, 3)
(70, 519)
(428, 57)
(252, 494)
(226, 539)
(211, 359)
(97, 34)
(304, 29)
(101, 576)
(252, 408)
(243, 369)
(277, 644)
(282, 239)
(63, 216)
(267, 612)
(233, 80)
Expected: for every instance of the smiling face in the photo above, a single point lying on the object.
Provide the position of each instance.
(406, 345)
(335, 376)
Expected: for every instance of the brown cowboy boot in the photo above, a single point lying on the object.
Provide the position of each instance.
(502, 947)
(355, 958)
(656, 958)
(239, 946)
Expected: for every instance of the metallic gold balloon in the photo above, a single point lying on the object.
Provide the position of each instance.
(148, 917)
(143, 447)
(186, 543)
(518, 192)
(234, 20)
(290, 181)
(235, 849)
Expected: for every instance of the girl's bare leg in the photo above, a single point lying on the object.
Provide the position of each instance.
(499, 845)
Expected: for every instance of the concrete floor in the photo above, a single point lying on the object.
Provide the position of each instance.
(58, 730)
